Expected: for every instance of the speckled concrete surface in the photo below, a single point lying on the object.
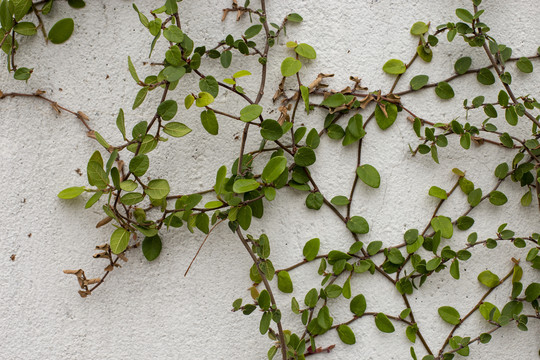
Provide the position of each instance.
(149, 310)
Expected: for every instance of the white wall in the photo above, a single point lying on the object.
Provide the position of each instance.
(149, 310)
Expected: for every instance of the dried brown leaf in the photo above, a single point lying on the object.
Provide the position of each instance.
(104, 221)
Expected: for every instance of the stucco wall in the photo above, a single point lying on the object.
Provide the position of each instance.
(150, 310)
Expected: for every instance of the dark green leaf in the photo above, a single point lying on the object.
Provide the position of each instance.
(383, 323)
(61, 31)
(444, 90)
(304, 157)
(462, 65)
(369, 175)
(151, 247)
(419, 82)
(346, 334)
(358, 225)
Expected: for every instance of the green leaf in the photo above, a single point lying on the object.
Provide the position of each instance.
(284, 282)
(305, 157)
(419, 81)
(271, 130)
(462, 65)
(171, 7)
(524, 65)
(526, 199)
(489, 311)
(244, 217)
(290, 66)
(210, 85)
(438, 193)
(274, 168)
(383, 323)
(25, 28)
(454, 269)
(333, 291)
(444, 90)
(374, 247)
(131, 198)
(358, 225)
(305, 96)
(173, 34)
(369, 175)
(139, 165)
(204, 99)
(176, 129)
(334, 100)
(346, 334)
(497, 198)
(306, 51)
(488, 279)
(474, 197)
(71, 192)
(6, 15)
(241, 186)
(490, 111)
(241, 73)
(335, 132)
(61, 31)
(465, 222)
(175, 73)
(313, 139)
(358, 305)
(501, 170)
(22, 73)
(444, 225)
(485, 76)
(425, 53)
(119, 240)
(209, 122)
(411, 236)
(511, 116)
(311, 249)
(311, 298)
(464, 15)
(96, 175)
(340, 200)
(20, 8)
(314, 201)
(167, 109)
(141, 95)
(450, 315)
(532, 292)
(128, 185)
(120, 123)
(394, 67)
(293, 17)
(133, 71)
(151, 247)
(250, 112)
(419, 28)
(252, 31)
(503, 98)
(157, 189)
(384, 121)
(226, 58)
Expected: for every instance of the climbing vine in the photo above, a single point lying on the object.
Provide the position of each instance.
(140, 210)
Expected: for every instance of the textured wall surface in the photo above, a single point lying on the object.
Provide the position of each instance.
(150, 310)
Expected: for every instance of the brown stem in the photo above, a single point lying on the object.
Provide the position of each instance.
(472, 311)
(283, 344)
